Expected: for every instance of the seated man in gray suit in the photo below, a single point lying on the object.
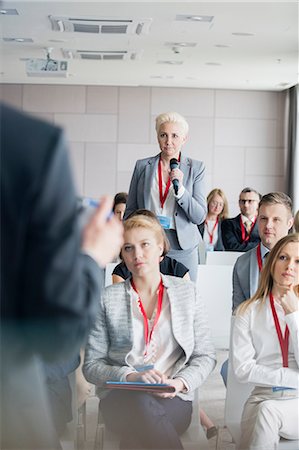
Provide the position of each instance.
(274, 222)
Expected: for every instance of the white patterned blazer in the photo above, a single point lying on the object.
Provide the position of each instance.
(111, 338)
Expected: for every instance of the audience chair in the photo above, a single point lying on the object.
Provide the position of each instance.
(236, 396)
(193, 439)
(222, 258)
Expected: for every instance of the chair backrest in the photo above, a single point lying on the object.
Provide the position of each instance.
(108, 273)
(214, 284)
(222, 258)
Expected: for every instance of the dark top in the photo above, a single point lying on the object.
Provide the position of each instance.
(232, 235)
(168, 266)
(49, 290)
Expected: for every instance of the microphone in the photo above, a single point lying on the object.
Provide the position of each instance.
(174, 164)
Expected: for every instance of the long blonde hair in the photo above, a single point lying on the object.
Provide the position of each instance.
(266, 279)
(224, 213)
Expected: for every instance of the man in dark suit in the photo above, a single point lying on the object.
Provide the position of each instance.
(240, 233)
(49, 289)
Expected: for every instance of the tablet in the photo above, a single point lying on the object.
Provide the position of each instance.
(140, 386)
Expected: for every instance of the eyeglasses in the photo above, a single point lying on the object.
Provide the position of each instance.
(217, 203)
(250, 201)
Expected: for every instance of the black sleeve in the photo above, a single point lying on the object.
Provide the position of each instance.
(170, 266)
(121, 271)
(231, 238)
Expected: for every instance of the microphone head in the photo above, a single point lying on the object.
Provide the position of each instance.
(174, 164)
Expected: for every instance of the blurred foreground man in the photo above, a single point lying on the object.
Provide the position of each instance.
(49, 288)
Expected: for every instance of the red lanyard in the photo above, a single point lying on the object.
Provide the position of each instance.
(259, 257)
(212, 233)
(147, 334)
(243, 230)
(160, 182)
(283, 341)
(162, 197)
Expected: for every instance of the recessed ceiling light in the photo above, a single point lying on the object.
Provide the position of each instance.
(241, 33)
(194, 18)
(213, 63)
(174, 63)
(181, 44)
(9, 12)
(17, 39)
(222, 46)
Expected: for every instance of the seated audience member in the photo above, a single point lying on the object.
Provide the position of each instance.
(274, 221)
(240, 233)
(119, 204)
(210, 229)
(296, 222)
(265, 350)
(168, 266)
(152, 328)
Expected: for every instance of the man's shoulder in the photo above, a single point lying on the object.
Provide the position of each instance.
(231, 221)
(245, 258)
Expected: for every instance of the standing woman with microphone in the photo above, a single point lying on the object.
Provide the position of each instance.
(172, 186)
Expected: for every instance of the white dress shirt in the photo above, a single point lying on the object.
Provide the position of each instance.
(256, 352)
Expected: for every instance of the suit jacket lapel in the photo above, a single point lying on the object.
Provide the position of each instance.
(254, 273)
(150, 168)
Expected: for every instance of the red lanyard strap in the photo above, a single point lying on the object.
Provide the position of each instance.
(259, 257)
(147, 334)
(283, 341)
(245, 238)
(161, 195)
(212, 232)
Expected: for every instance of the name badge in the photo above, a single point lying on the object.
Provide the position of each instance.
(209, 247)
(164, 221)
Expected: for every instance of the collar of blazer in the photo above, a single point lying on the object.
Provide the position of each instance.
(185, 160)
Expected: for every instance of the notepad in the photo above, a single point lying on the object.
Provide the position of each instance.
(140, 386)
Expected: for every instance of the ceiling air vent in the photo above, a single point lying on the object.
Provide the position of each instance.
(101, 55)
(100, 26)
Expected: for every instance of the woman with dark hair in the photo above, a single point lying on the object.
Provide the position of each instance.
(266, 350)
(119, 204)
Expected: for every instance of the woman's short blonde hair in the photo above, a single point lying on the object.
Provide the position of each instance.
(172, 117)
(147, 219)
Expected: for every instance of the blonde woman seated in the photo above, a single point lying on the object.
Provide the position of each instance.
(266, 350)
(151, 328)
(210, 229)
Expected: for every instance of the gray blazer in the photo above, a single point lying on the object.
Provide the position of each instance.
(190, 209)
(245, 277)
(111, 338)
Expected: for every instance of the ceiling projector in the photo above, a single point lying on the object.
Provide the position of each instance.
(46, 68)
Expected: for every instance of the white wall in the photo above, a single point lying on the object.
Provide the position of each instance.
(238, 134)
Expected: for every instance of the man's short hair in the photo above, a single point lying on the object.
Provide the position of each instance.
(277, 198)
(249, 189)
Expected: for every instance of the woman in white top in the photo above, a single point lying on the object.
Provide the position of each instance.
(151, 328)
(210, 229)
(266, 350)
